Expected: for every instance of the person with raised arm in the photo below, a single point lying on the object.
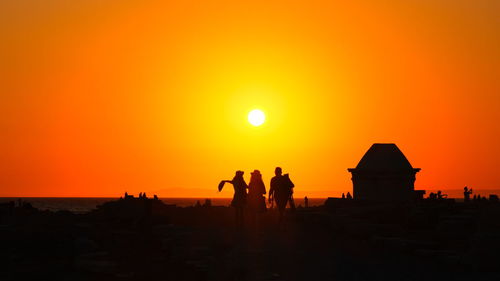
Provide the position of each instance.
(240, 195)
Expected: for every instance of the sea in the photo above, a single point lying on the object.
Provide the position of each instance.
(82, 205)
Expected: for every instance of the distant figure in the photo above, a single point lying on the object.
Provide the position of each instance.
(441, 195)
(280, 191)
(306, 202)
(240, 194)
(198, 204)
(289, 184)
(144, 195)
(140, 195)
(432, 196)
(155, 197)
(208, 203)
(349, 196)
(343, 195)
(467, 193)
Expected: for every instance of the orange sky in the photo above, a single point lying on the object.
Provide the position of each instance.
(98, 97)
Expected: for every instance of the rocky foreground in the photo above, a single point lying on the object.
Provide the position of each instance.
(144, 239)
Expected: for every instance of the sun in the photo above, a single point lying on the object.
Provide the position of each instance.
(256, 117)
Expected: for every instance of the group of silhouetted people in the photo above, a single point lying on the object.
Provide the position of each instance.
(142, 195)
(280, 192)
(478, 197)
(439, 195)
(348, 197)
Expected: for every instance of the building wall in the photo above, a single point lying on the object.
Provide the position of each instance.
(383, 186)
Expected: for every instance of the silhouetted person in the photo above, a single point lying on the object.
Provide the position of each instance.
(140, 195)
(280, 191)
(343, 195)
(198, 204)
(240, 195)
(208, 203)
(289, 185)
(144, 195)
(349, 196)
(467, 193)
(256, 199)
(306, 202)
(441, 195)
(155, 197)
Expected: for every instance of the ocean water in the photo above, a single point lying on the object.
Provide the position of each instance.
(83, 205)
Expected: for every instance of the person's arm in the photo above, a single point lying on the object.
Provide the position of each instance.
(271, 192)
(221, 184)
(290, 183)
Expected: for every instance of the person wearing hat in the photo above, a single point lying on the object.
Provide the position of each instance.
(256, 191)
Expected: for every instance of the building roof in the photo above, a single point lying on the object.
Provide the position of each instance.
(384, 157)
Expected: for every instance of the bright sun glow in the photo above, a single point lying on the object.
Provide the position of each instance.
(256, 117)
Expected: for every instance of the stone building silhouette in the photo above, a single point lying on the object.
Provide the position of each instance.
(384, 174)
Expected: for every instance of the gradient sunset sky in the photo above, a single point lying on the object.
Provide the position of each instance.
(99, 97)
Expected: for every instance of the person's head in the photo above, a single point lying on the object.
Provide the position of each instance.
(255, 175)
(239, 173)
(278, 171)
